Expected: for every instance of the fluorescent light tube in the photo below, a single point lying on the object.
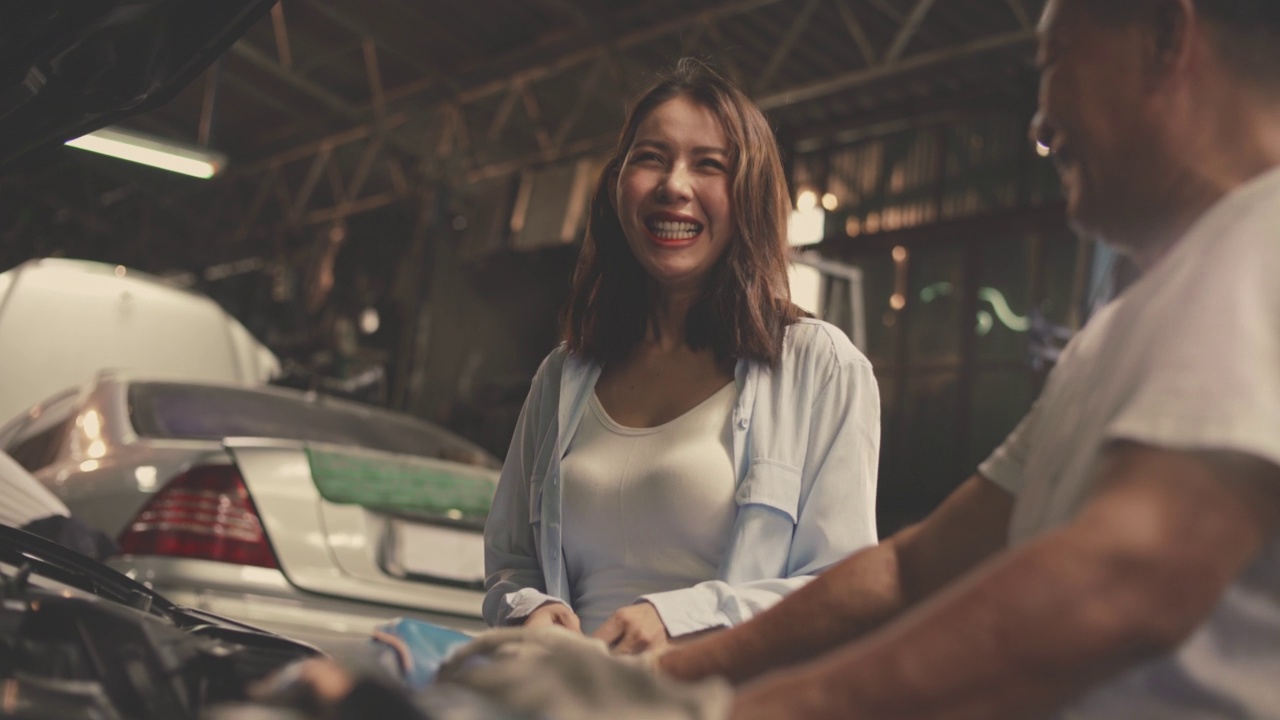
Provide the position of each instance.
(153, 151)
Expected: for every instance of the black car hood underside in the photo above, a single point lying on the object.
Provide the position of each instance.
(69, 67)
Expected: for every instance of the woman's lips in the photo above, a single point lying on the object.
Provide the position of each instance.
(673, 231)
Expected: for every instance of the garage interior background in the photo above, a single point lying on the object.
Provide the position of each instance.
(406, 186)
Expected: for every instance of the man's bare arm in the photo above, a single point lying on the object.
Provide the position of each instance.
(1139, 569)
(859, 594)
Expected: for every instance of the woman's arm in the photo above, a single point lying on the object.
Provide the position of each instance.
(514, 582)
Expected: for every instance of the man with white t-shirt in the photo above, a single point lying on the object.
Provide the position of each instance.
(1119, 555)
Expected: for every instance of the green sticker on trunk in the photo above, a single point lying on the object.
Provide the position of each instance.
(401, 483)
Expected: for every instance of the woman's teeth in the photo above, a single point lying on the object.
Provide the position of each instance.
(667, 230)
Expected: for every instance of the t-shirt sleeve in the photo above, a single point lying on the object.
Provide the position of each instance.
(1004, 466)
(1213, 383)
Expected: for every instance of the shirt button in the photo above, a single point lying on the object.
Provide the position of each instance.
(742, 422)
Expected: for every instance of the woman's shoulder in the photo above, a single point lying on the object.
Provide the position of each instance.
(555, 359)
(811, 341)
(561, 363)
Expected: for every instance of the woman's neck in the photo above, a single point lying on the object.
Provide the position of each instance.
(670, 316)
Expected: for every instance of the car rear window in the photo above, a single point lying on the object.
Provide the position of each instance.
(199, 412)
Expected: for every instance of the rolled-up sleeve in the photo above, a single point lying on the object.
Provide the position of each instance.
(1004, 466)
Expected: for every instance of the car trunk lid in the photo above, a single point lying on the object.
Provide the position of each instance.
(371, 525)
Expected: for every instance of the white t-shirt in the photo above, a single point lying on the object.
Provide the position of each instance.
(647, 510)
(1188, 358)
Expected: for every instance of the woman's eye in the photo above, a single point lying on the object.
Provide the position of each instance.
(713, 164)
(646, 157)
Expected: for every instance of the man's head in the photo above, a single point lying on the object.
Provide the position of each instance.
(1138, 103)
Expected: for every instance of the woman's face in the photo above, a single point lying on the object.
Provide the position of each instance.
(672, 194)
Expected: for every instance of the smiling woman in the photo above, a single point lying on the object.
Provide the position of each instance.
(698, 448)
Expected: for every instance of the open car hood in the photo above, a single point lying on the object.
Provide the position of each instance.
(69, 67)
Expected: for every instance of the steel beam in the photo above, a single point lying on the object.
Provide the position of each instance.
(531, 71)
(281, 30)
(374, 75)
(334, 103)
(798, 25)
(857, 31)
(205, 133)
(1020, 13)
(585, 90)
(908, 31)
(942, 56)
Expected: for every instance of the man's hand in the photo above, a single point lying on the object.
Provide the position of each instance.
(554, 613)
(634, 629)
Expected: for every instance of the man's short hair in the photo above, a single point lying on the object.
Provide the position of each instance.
(1248, 30)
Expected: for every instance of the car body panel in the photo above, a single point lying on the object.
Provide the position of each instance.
(343, 567)
(73, 318)
(265, 598)
(329, 548)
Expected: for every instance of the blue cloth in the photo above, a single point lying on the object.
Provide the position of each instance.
(806, 440)
(426, 648)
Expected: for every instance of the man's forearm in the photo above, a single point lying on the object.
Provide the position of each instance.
(1019, 638)
(841, 604)
(860, 593)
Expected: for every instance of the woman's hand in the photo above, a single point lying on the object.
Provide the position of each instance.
(554, 613)
(634, 629)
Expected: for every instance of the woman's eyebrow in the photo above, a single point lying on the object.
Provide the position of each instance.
(651, 142)
(665, 146)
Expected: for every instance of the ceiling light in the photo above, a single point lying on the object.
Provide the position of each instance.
(153, 151)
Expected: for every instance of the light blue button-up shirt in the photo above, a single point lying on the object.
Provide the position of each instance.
(805, 448)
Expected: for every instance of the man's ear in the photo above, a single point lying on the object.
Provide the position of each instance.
(1171, 32)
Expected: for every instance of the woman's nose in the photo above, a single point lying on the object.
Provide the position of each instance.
(675, 185)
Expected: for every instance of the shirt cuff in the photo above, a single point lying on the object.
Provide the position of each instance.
(1003, 471)
(518, 605)
(686, 611)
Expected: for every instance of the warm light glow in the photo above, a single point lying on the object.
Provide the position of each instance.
(88, 466)
(92, 424)
(898, 301)
(806, 227)
(369, 321)
(808, 200)
(853, 226)
(830, 202)
(156, 152)
(899, 254)
(806, 287)
(1043, 150)
(146, 477)
(97, 449)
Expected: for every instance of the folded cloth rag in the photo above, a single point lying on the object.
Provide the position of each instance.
(555, 673)
(413, 650)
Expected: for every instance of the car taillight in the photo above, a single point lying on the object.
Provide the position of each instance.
(204, 513)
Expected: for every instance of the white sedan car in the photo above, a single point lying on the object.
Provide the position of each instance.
(306, 515)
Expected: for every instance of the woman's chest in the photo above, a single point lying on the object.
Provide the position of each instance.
(648, 392)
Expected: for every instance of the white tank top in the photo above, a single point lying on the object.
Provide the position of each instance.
(646, 510)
